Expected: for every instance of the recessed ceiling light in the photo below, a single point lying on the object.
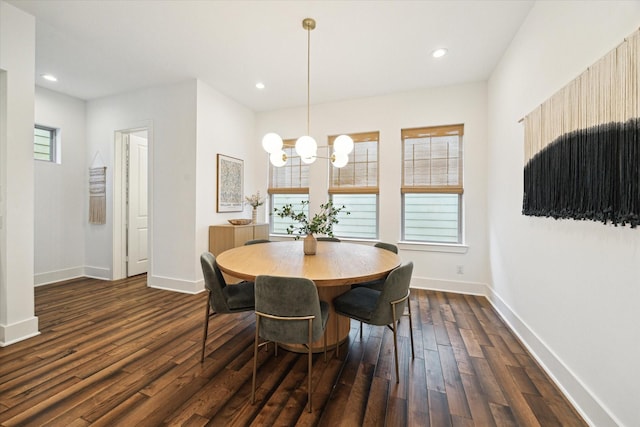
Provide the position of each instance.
(49, 77)
(260, 85)
(438, 53)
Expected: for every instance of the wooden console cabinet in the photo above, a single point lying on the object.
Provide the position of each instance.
(227, 236)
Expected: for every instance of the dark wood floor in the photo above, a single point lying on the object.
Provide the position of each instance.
(121, 354)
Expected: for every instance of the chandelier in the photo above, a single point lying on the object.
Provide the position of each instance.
(306, 147)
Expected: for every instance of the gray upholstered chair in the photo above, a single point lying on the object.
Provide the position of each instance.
(327, 239)
(388, 246)
(377, 284)
(288, 310)
(380, 307)
(222, 298)
(256, 241)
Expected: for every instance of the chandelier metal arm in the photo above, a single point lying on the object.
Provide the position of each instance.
(293, 146)
(332, 157)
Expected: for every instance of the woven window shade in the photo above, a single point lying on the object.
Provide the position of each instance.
(360, 175)
(290, 178)
(432, 159)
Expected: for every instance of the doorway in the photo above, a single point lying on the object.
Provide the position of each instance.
(131, 203)
(137, 203)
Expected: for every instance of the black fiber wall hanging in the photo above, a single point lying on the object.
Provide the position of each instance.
(582, 155)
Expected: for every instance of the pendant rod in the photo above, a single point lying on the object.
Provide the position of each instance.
(308, 24)
(308, 76)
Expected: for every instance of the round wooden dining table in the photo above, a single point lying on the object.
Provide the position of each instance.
(334, 268)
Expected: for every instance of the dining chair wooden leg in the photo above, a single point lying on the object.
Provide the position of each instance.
(206, 330)
(360, 331)
(310, 362)
(325, 345)
(413, 355)
(337, 339)
(395, 341)
(255, 361)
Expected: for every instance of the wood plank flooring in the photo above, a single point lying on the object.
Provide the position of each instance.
(122, 354)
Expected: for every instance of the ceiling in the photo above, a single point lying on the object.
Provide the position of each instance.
(358, 49)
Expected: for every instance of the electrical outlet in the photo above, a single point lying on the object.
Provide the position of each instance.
(459, 269)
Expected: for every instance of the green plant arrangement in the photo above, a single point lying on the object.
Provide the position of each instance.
(321, 223)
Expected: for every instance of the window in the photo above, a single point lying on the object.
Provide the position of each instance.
(44, 143)
(432, 184)
(287, 184)
(356, 187)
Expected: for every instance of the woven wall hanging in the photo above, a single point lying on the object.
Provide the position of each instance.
(582, 156)
(97, 195)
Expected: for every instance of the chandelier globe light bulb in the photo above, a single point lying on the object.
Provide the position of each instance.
(278, 159)
(343, 144)
(272, 142)
(306, 146)
(339, 160)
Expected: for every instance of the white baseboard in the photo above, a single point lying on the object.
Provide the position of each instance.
(11, 334)
(177, 285)
(97, 272)
(588, 405)
(460, 287)
(57, 276)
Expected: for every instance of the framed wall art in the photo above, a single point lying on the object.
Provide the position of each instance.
(230, 184)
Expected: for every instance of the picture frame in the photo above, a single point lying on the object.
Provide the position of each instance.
(230, 184)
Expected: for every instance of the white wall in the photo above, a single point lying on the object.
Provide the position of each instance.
(170, 112)
(223, 127)
(185, 136)
(61, 191)
(389, 114)
(17, 69)
(569, 288)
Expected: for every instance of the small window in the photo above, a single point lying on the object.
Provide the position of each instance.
(431, 217)
(44, 143)
(432, 184)
(362, 221)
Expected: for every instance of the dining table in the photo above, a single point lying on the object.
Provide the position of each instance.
(334, 268)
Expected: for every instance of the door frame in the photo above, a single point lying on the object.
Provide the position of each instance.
(119, 260)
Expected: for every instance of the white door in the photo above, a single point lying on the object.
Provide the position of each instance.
(137, 231)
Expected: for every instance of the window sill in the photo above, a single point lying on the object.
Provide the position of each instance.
(454, 248)
(342, 239)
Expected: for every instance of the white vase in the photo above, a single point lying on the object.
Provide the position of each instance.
(254, 216)
(310, 244)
